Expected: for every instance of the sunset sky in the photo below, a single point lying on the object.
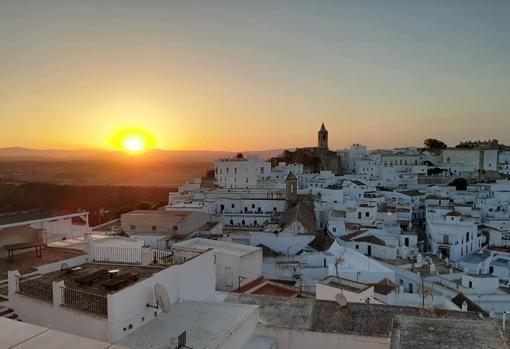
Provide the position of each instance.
(247, 75)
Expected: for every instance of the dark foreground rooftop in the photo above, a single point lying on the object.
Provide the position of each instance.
(417, 333)
(408, 328)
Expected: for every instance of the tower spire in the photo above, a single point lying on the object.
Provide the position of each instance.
(323, 137)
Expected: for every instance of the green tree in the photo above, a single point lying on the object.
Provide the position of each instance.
(459, 183)
(432, 143)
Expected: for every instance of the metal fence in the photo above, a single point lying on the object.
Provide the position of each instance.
(176, 255)
(84, 301)
(36, 289)
(117, 254)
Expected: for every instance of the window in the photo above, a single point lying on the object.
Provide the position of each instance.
(243, 222)
(470, 284)
(175, 227)
(132, 227)
(255, 222)
(231, 222)
(334, 229)
(491, 269)
(253, 206)
(406, 241)
(359, 215)
(367, 214)
(235, 170)
(153, 228)
(233, 206)
(467, 237)
(357, 247)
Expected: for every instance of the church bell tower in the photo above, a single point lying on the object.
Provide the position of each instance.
(323, 137)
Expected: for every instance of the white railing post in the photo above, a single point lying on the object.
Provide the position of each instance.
(88, 243)
(13, 282)
(58, 289)
(147, 257)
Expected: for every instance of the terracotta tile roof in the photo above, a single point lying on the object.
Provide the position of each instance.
(291, 177)
(322, 242)
(353, 235)
(301, 213)
(454, 214)
(412, 193)
(371, 239)
(265, 287)
(384, 287)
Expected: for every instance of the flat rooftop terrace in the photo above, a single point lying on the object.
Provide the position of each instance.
(73, 276)
(324, 316)
(26, 261)
(418, 333)
(207, 325)
(219, 246)
(20, 335)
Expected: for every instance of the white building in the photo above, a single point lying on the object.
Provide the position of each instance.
(239, 172)
(159, 228)
(120, 302)
(236, 264)
(465, 161)
(59, 229)
(454, 235)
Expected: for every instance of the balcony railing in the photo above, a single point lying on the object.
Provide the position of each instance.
(248, 213)
(117, 254)
(84, 301)
(176, 255)
(36, 289)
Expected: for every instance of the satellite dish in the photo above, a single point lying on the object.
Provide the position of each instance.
(341, 300)
(162, 298)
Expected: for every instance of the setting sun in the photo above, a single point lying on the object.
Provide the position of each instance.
(133, 144)
(133, 141)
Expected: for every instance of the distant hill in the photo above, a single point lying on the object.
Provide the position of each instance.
(111, 200)
(97, 167)
(18, 153)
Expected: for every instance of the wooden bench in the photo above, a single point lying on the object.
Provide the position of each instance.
(88, 279)
(23, 246)
(119, 281)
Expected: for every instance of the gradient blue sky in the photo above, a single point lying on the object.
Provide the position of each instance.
(239, 75)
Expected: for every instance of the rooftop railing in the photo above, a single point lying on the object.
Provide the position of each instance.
(35, 288)
(84, 301)
(128, 255)
(175, 255)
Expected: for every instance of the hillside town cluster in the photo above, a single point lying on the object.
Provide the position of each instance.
(355, 248)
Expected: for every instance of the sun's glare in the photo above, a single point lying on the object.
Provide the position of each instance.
(134, 143)
(133, 140)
